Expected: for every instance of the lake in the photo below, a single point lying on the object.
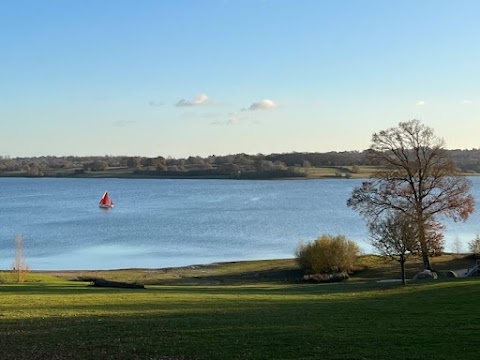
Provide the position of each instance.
(162, 223)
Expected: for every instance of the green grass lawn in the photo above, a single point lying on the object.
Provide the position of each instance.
(69, 320)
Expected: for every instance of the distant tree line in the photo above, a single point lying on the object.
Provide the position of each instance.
(227, 166)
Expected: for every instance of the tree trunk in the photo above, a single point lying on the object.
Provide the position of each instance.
(423, 243)
(402, 265)
(425, 258)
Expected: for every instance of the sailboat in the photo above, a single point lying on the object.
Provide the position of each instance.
(105, 201)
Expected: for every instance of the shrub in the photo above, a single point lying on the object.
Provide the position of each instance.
(328, 254)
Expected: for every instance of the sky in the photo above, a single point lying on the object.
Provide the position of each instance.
(214, 77)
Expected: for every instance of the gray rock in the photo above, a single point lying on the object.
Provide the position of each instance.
(425, 275)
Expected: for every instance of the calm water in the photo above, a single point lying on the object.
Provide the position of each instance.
(159, 223)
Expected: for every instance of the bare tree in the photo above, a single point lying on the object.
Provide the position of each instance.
(20, 267)
(474, 245)
(417, 178)
(395, 236)
(457, 245)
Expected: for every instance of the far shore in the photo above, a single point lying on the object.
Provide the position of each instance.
(292, 173)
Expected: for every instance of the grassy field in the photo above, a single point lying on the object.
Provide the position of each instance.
(339, 172)
(254, 311)
(282, 271)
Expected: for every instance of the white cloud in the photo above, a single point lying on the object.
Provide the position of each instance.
(466, 101)
(201, 99)
(265, 104)
(420, 103)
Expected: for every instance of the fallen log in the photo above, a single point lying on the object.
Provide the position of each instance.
(116, 284)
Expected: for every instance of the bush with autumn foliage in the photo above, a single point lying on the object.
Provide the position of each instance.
(328, 254)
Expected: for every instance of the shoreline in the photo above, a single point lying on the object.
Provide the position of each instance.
(370, 267)
(129, 176)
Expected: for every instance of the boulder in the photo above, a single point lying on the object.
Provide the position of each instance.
(425, 275)
(450, 274)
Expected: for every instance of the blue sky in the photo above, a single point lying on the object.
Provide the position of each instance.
(201, 77)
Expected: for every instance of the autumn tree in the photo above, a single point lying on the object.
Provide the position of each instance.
(97, 165)
(157, 162)
(133, 162)
(416, 178)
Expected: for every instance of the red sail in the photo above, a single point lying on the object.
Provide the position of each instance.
(105, 200)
